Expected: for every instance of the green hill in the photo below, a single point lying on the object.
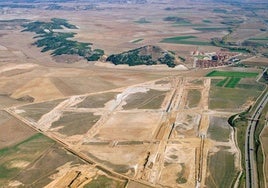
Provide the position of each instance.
(146, 55)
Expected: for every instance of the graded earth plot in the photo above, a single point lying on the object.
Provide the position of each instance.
(124, 158)
(98, 100)
(77, 114)
(135, 126)
(34, 112)
(152, 99)
(143, 141)
(74, 123)
(186, 125)
(179, 167)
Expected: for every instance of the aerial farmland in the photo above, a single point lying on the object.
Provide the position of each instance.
(138, 93)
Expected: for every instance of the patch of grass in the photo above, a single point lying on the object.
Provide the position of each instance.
(182, 58)
(193, 98)
(231, 21)
(224, 177)
(232, 82)
(184, 40)
(222, 82)
(259, 38)
(75, 123)
(177, 20)
(181, 179)
(28, 150)
(219, 10)
(38, 173)
(219, 130)
(257, 87)
(207, 21)
(216, 73)
(179, 38)
(211, 29)
(103, 181)
(230, 98)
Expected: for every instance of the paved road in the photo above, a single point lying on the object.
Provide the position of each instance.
(251, 168)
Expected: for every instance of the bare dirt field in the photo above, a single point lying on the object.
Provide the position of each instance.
(127, 126)
(12, 131)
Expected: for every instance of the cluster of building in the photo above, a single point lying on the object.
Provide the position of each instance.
(215, 59)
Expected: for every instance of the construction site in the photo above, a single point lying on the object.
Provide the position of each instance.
(151, 133)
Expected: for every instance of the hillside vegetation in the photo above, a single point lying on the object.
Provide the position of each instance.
(146, 55)
(59, 42)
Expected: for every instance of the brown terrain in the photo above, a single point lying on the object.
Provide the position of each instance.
(94, 123)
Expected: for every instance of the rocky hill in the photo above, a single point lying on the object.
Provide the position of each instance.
(146, 55)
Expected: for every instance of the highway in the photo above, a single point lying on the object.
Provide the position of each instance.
(250, 162)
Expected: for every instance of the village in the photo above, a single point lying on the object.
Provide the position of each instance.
(214, 59)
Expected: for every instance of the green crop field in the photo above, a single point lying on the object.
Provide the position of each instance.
(232, 78)
(211, 29)
(229, 82)
(207, 21)
(222, 82)
(179, 38)
(232, 74)
(260, 38)
(184, 40)
(232, 82)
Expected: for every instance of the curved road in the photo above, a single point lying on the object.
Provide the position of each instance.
(251, 168)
